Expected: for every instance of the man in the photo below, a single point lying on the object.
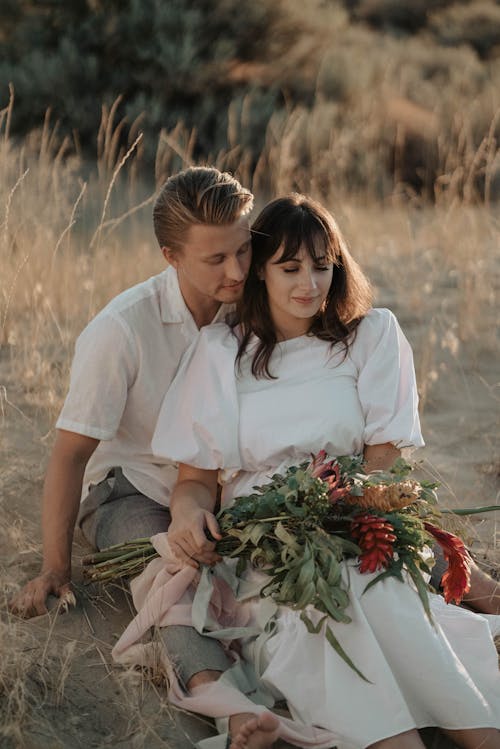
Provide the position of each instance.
(124, 362)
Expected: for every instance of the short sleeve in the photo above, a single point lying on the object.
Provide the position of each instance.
(103, 370)
(387, 386)
(199, 416)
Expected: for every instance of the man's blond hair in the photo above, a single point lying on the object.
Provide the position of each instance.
(198, 195)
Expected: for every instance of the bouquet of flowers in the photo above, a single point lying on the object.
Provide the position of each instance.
(300, 526)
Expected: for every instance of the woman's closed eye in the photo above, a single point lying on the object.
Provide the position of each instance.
(297, 268)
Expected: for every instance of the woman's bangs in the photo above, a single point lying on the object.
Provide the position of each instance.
(304, 231)
(291, 243)
(311, 236)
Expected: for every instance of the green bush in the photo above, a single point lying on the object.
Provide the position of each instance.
(364, 95)
(168, 59)
(476, 24)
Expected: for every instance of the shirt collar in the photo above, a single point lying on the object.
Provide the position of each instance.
(173, 308)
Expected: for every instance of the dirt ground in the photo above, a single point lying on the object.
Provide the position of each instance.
(60, 688)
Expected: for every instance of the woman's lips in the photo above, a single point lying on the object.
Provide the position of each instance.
(305, 299)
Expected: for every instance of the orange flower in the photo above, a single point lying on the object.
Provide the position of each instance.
(456, 579)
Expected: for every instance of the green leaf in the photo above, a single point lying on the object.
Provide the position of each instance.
(306, 574)
(471, 510)
(383, 576)
(307, 596)
(357, 490)
(340, 651)
(259, 530)
(311, 628)
(334, 572)
(314, 630)
(330, 602)
(285, 537)
(294, 509)
(241, 566)
(421, 586)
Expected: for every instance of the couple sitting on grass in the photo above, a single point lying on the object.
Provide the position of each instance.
(306, 364)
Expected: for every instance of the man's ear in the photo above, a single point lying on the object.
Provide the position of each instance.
(170, 256)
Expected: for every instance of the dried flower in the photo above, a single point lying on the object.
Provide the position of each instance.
(387, 497)
(329, 472)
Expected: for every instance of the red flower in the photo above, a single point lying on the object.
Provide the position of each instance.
(456, 579)
(375, 536)
(330, 474)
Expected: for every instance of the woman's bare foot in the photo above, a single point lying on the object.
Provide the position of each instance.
(253, 731)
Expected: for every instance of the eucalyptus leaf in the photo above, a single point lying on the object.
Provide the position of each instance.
(287, 538)
(421, 586)
(307, 573)
(340, 651)
(259, 530)
(307, 596)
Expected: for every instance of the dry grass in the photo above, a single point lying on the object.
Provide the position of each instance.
(67, 245)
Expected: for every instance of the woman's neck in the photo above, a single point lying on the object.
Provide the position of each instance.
(294, 330)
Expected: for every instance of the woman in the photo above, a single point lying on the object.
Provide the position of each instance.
(311, 366)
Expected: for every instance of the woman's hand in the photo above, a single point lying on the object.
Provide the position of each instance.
(188, 540)
(191, 506)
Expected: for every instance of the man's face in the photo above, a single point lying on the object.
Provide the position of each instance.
(213, 263)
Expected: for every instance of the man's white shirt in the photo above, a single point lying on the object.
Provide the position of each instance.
(125, 360)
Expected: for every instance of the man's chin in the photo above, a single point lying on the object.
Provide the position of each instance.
(230, 294)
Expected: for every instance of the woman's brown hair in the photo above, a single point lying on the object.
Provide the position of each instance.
(292, 223)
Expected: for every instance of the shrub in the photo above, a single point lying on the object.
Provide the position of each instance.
(170, 60)
(476, 24)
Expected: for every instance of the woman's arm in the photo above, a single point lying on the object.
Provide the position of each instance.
(191, 506)
(380, 457)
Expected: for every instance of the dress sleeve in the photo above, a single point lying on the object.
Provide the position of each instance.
(104, 367)
(387, 385)
(199, 416)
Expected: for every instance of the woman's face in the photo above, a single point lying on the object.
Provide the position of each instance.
(296, 290)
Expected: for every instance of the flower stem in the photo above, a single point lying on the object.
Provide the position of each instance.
(470, 510)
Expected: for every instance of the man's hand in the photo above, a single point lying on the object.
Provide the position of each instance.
(61, 500)
(188, 539)
(31, 599)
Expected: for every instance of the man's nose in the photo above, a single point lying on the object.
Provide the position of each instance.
(234, 269)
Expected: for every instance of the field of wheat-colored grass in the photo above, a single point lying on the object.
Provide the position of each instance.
(72, 236)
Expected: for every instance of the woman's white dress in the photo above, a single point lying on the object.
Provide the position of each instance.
(217, 417)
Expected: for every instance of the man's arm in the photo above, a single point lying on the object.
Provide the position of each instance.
(61, 500)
